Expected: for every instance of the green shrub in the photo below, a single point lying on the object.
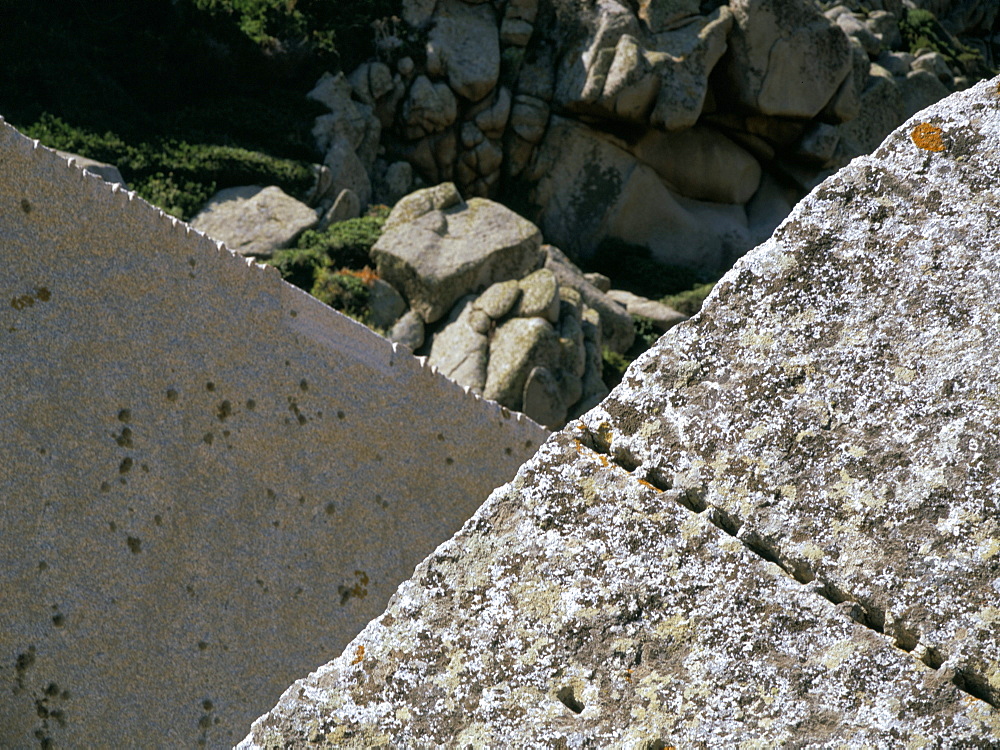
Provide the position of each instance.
(921, 30)
(343, 291)
(689, 302)
(300, 266)
(177, 176)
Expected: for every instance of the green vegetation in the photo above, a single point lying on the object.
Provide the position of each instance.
(922, 31)
(342, 245)
(689, 302)
(347, 292)
(185, 97)
(634, 269)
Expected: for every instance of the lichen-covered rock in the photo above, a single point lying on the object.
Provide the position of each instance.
(436, 248)
(254, 221)
(781, 528)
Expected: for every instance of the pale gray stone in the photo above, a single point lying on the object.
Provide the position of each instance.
(435, 256)
(385, 304)
(936, 64)
(819, 143)
(881, 112)
(666, 15)
(539, 296)
(459, 350)
(409, 331)
(346, 206)
(107, 172)
(663, 316)
(529, 117)
(701, 163)
(254, 221)
(780, 529)
(599, 280)
(199, 464)
(465, 41)
(858, 29)
(398, 181)
(347, 171)
(785, 58)
(518, 345)
(543, 398)
(919, 90)
(499, 299)
(616, 323)
(429, 108)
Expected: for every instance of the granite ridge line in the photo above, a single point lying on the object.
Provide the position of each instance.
(129, 200)
(870, 617)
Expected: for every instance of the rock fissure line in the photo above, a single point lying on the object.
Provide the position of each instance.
(865, 614)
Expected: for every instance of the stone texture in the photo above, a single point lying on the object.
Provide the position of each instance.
(539, 296)
(409, 331)
(385, 304)
(617, 329)
(785, 58)
(780, 529)
(346, 206)
(464, 46)
(107, 172)
(459, 350)
(435, 255)
(663, 316)
(701, 163)
(211, 481)
(519, 345)
(254, 221)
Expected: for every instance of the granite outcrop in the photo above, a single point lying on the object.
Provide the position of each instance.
(781, 528)
(199, 463)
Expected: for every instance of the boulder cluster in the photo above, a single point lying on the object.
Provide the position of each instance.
(687, 127)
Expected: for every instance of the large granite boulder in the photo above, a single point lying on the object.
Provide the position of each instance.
(767, 88)
(780, 529)
(255, 221)
(437, 248)
(198, 464)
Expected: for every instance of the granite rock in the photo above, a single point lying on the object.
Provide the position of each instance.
(206, 463)
(781, 528)
(254, 221)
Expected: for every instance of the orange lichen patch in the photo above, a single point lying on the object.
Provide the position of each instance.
(928, 137)
(359, 655)
(647, 484)
(366, 274)
(585, 451)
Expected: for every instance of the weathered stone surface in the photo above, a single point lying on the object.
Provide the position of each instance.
(701, 163)
(107, 172)
(409, 331)
(210, 480)
(464, 46)
(663, 316)
(516, 344)
(434, 255)
(539, 296)
(582, 608)
(347, 170)
(782, 528)
(499, 299)
(918, 90)
(254, 221)
(785, 58)
(385, 304)
(346, 206)
(617, 329)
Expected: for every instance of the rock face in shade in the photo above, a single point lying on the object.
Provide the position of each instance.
(781, 528)
(198, 465)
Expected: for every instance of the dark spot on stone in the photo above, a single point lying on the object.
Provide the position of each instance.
(145, 468)
(207, 704)
(294, 313)
(204, 723)
(171, 394)
(26, 205)
(508, 451)
(124, 415)
(224, 410)
(340, 415)
(58, 620)
(302, 499)
(528, 444)
(134, 544)
(158, 519)
(271, 494)
(125, 466)
(210, 386)
(449, 460)
(105, 487)
(202, 645)
(113, 526)
(209, 438)
(192, 262)
(331, 508)
(125, 439)
(440, 437)
(43, 566)
(303, 385)
(251, 404)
